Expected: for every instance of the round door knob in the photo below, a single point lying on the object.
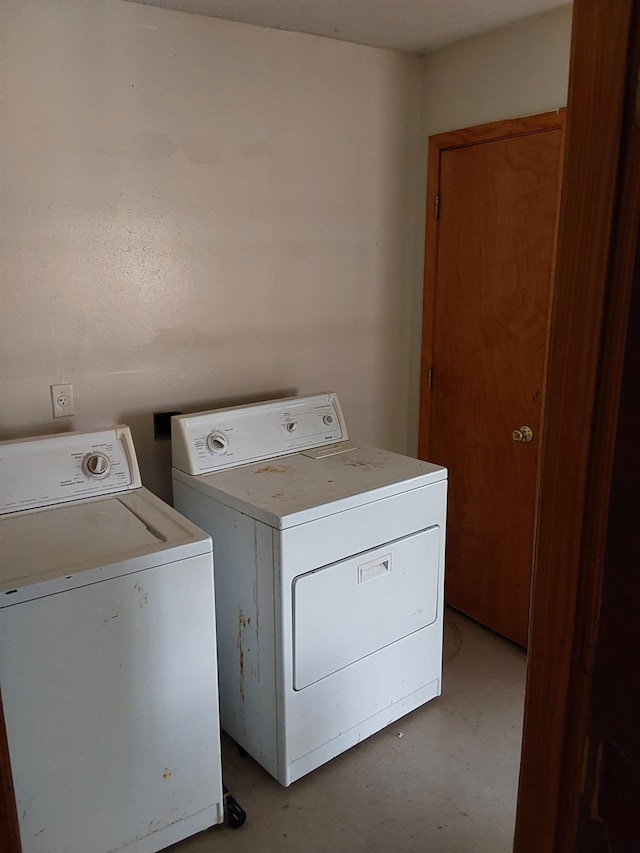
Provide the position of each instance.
(524, 434)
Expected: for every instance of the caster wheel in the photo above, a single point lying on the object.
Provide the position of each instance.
(234, 814)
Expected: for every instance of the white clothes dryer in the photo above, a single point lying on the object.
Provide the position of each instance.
(329, 564)
(107, 651)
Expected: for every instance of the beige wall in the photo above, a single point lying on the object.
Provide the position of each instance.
(196, 212)
(513, 71)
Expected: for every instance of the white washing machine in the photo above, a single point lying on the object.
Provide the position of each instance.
(107, 651)
(329, 564)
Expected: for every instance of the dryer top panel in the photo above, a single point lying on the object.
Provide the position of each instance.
(225, 438)
(299, 488)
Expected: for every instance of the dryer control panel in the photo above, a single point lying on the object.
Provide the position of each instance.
(54, 469)
(224, 438)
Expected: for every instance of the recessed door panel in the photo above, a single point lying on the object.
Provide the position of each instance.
(348, 610)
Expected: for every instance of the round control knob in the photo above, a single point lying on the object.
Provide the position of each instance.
(291, 426)
(327, 419)
(96, 465)
(217, 442)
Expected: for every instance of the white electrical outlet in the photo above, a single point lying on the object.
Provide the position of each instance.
(62, 401)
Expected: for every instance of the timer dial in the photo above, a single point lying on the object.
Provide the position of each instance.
(217, 442)
(96, 465)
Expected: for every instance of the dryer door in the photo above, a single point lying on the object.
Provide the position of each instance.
(350, 609)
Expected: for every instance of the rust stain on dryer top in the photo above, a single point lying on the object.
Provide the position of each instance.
(274, 469)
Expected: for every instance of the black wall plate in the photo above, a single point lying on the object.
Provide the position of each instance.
(162, 425)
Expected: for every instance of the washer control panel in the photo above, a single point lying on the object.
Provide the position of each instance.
(224, 438)
(53, 469)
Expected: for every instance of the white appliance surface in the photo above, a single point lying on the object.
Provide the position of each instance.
(298, 488)
(223, 438)
(368, 605)
(107, 651)
(75, 544)
(53, 469)
(329, 576)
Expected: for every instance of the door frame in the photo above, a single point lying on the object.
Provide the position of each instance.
(9, 829)
(491, 132)
(596, 252)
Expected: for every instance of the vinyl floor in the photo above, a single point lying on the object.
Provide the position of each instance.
(443, 779)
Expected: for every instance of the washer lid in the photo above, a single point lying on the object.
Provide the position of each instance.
(52, 549)
(297, 488)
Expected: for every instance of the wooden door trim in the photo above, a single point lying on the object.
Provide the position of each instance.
(9, 830)
(491, 132)
(597, 235)
(503, 129)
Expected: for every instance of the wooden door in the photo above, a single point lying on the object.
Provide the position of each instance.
(497, 201)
